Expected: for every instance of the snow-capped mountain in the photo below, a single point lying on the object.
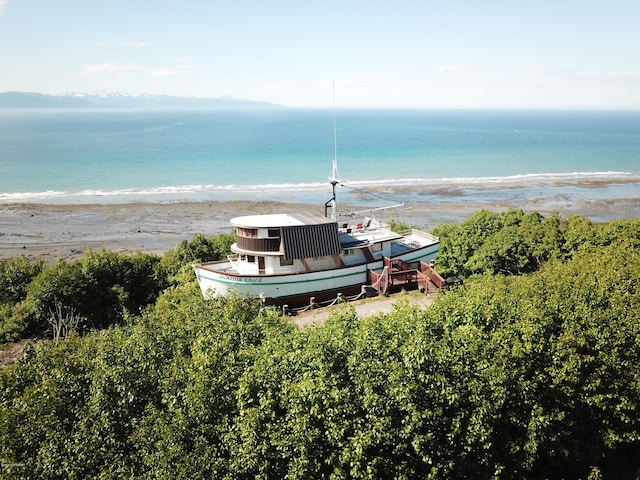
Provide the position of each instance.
(105, 99)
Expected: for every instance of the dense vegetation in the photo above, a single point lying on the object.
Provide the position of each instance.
(101, 289)
(515, 242)
(530, 371)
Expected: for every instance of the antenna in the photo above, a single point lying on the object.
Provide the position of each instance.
(334, 172)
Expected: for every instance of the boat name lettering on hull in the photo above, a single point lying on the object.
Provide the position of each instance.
(241, 279)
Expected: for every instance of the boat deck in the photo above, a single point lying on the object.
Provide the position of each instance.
(399, 247)
(411, 242)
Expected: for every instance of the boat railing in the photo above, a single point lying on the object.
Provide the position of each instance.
(428, 236)
(431, 273)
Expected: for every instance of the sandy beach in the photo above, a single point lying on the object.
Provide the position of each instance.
(54, 232)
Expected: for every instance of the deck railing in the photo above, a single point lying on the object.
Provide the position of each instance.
(397, 273)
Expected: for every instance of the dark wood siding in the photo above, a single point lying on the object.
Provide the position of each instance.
(258, 244)
(306, 241)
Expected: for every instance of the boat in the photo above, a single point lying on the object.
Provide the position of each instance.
(294, 258)
(301, 258)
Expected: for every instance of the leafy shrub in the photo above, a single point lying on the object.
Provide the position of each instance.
(15, 276)
(514, 242)
(103, 288)
(199, 249)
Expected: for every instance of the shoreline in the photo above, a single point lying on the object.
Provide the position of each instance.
(65, 231)
(355, 191)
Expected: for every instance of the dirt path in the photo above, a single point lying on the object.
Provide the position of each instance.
(364, 308)
(10, 354)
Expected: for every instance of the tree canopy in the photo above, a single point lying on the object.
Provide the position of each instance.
(510, 376)
(515, 242)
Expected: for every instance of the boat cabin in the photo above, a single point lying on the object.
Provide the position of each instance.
(291, 243)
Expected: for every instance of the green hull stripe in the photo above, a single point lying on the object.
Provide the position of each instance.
(220, 280)
(240, 282)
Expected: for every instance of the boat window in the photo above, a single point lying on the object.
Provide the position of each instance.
(247, 232)
(251, 259)
(285, 262)
(274, 232)
(377, 247)
(347, 252)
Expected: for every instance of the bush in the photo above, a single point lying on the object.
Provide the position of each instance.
(103, 288)
(200, 249)
(15, 276)
(514, 242)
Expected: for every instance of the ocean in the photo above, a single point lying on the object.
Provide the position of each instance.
(284, 154)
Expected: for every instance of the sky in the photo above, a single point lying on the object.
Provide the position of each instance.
(547, 54)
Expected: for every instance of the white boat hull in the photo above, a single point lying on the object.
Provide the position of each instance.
(215, 279)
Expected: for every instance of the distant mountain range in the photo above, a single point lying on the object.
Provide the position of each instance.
(121, 100)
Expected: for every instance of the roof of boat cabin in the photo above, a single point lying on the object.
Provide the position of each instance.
(279, 220)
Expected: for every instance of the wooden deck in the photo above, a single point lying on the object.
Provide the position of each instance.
(397, 275)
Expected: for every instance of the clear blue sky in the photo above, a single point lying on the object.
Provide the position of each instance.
(413, 53)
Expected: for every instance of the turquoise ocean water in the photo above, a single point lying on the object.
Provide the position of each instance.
(120, 156)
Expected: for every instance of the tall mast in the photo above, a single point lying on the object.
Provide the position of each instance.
(334, 172)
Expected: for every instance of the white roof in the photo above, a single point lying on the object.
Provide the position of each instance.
(278, 220)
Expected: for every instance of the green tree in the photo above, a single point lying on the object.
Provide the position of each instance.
(524, 244)
(190, 433)
(296, 405)
(559, 345)
(103, 288)
(617, 230)
(59, 284)
(42, 400)
(577, 233)
(458, 243)
(15, 276)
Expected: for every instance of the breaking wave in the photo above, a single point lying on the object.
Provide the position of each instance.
(304, 191)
